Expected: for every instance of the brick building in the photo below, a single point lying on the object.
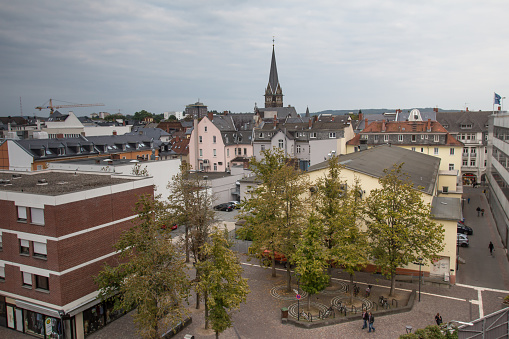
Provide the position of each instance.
(56, 232)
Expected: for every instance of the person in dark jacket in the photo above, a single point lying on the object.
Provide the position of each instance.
(371, 320)
(365, 317)
(438, 319)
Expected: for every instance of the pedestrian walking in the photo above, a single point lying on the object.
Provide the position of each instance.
(371, 320)
(478, 209)
(438, 319)
(491, 247)
(468, 200)
(365, 317)
(482, 212)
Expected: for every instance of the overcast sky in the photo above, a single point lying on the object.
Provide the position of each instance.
(162, 55)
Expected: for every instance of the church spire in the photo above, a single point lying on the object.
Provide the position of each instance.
(273, 93)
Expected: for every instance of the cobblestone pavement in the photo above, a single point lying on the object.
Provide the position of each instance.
(260, 316)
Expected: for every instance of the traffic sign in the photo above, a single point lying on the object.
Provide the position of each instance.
(298, 296)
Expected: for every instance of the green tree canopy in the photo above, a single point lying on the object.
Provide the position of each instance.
(151, 275)
(142, 115)
(221, 281)
(400, 225)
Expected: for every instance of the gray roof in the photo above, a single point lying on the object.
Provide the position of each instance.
(425, 115)
(282, 112)
(454, 120)
(422, 169)
(446, 208)
(149, 132)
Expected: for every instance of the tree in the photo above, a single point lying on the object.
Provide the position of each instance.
(399, 224)
(172, 118)
(190, 204)
(138, 170)
(431, 331)
(151, 275)
(221, 281)
(339, 208)
(142, 115)
(311, 259)
(276, 211)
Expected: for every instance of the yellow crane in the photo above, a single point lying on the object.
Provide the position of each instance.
(52, 107)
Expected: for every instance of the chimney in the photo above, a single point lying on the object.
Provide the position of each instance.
(360, 116)
(332, 118)
(310, 123)
(225, 112)
(365, 123)
(429, 125)
(211, 116)
(383, 125)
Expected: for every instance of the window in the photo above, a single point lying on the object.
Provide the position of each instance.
(214, 152)
(280, 142)
(435, 150)
(414, 138)
(24, 247)
(465, 150)
(215, 167)
(263, 147)
(22, 213)
(465, 162)
(386, 137)
(422, 149)
(466, 126)
(245, 151)
(201, 152)
(422, 136)
(451, 151)
(472, 150)
(37, 215)
(214, 139)
(228, 151)
(312, 135)
(472, 162)
(436, 138)
(260, 135)
(27, 279)
(298, 149)
(200, 138)
(376, 137)
(2, 273)
(40, 250)
(332, 135)
(400, 137)
(451, 167)
(413, 149)
(240, 151)
(41, 283)
(485, 162)
(445, 189)
(1, 243)
(205, 128)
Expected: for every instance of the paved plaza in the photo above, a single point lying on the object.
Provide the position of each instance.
(483, 281)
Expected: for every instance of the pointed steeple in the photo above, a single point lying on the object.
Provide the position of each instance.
(307, 112)
(273, 93)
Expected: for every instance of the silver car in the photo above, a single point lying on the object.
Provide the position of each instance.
(462, 240)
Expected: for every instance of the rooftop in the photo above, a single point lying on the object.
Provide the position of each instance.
(55, 183)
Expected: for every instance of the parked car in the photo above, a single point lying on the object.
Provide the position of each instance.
(236, 204)
(224, 207)
(464, 229)
(462, 240)
(171, 226)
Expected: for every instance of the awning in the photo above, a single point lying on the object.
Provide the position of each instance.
(39, 309)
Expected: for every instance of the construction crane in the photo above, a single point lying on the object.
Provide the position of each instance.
(68, 105)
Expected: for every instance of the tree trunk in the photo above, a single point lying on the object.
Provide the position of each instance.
(206, 311)
(351, 289)
(187, 244)
(197, 293)
(309, 302)
(393, 283)
(273, 264)
(217, 335)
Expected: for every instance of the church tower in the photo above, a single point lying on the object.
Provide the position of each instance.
(273, 93)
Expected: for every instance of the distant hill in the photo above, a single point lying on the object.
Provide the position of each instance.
(378, 110)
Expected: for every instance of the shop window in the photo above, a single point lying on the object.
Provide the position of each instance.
(22, 213)
(41, 283)
(24, 247)
(93, 319)
(34, 323)
(40, 250)
(27, 279)
(37, 216)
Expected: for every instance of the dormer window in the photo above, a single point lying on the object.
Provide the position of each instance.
(260, 135)
(466, 126)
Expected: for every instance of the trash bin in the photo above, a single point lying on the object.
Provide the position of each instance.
(284, 313)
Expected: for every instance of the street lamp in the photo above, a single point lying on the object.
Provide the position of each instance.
(298, 296)
(420, 264)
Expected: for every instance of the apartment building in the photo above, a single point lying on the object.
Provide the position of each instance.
(498, 173)
(56, 232)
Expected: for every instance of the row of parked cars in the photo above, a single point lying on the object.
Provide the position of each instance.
(227, 206)
(462, 234)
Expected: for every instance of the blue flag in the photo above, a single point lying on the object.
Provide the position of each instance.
(496, 101)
